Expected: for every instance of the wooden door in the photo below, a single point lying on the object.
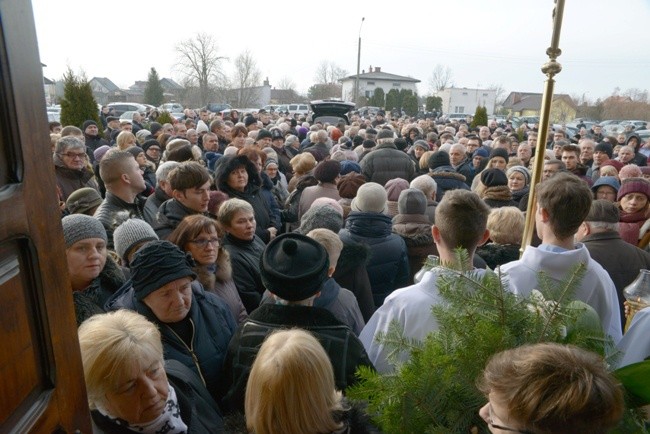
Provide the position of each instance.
(41, 378)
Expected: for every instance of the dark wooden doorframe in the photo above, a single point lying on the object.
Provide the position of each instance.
(41, 377)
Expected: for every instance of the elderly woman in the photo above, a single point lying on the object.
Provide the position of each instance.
(506, 226)
(196, 325)
(550, 388)
(238, 177)
(94, 276)
(131, 389)
(292, 367)
(634, 205)
(200, 236)
(71, 167)
(245, 248)
(518, 182)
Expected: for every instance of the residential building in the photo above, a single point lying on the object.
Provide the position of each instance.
(457, 100)
(105, 91)
(374, 79)
(563, 109)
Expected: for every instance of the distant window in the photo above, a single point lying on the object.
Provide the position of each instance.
(459, 109)
(464, 93)
(371, 83)
(485, 94)
(369, 94)
(397, 84)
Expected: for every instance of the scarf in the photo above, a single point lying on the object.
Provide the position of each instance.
(169, 422)
(500, 192)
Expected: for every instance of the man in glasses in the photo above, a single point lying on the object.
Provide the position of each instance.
(71, 166)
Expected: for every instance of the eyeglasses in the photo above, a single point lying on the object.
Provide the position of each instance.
(490, 421)
(203, 242)
(72, 155)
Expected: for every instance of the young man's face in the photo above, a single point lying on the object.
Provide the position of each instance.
(196, 199)
(570, 160)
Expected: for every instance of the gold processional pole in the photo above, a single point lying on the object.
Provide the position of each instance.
(550, 68)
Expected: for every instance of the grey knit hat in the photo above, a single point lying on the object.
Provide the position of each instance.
(321, 217)
(77, 227)
(371, 197)
(83, 200)
(412, 201)
(130, 233)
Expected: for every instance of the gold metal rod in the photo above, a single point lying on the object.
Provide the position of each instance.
(550, 68)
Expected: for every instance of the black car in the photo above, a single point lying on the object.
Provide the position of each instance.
(330, 111)
(217, 107)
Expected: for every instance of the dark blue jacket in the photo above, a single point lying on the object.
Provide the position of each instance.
(388, 266)
(447, 179)
(214, 326)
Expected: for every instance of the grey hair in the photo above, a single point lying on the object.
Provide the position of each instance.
(603, 226)
(163, 171)
(69, 142)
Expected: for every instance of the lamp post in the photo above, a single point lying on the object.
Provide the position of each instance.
(356, 83)
(550, 68)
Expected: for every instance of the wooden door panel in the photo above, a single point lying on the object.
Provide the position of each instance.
(41, 377)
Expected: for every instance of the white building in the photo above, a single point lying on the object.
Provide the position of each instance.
(373, 79)
(465, 101)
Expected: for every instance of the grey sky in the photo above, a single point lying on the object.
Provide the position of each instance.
(604, 43)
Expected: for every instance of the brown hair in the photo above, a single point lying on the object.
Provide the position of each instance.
(552, 388)
(187, 175)
(567, 199)
(461, 218)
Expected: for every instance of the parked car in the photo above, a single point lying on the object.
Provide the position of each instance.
(458, 117)
(638, 125)
(171, 107)
(331, 112)
(121, 107)
(127, 116)
(296, 108)
(271, 107)
(179, 116)
(368, 111)
(644, 134)
(215, 107)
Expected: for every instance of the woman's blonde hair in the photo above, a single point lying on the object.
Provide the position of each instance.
(291, 388)
(506, 225)
(125, 140)
(111, 343)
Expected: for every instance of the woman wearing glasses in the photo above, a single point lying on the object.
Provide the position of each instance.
(200, 237)
(71, 167)
(550, 388)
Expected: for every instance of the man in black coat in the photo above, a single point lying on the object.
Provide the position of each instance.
(293, 268)
(621, 260)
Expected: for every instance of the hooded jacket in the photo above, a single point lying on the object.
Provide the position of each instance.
(388, 267)
(252, 193)
(447, 179)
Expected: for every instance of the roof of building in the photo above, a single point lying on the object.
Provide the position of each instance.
(378, 75)
(170, 84)
(106, 84)
(518, 101)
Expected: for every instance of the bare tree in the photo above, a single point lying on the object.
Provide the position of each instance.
(329, 73)
(286, 91)
(441, 78)
(199, 62)
(636, 94)
(246, 77)
(286, 83)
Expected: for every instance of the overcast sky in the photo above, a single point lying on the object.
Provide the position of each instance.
(605, 44)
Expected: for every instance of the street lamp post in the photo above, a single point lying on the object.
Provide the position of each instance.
(356, 83)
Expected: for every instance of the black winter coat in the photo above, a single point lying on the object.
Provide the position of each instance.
(91, 300)
(153, 203)
(245, 260)
(169, 216)
(351, 274)
(388, 267)
(386, 162)
(345, 350)
(113, 211)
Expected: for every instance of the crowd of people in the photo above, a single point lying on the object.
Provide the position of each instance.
(232, 274)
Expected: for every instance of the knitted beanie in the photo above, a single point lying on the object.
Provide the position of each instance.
(394, 187)
(201, 127)
(493, 178)
(157, 264)
(131, 233)
(83, 200)
(614, 163)
(100, 152)
(154, 127)
(371, 197)
(86, 124)
(634, 185)
(412, 201)
(294, 267)
(480, 152)
(327, 171)
(349, 184)
(326, 217)
(135, 151)
(604, 147)
(421, 144)
(77, 227)
(142, 135)
(348, 166)
(438, 159)
(264, 134)
(500, 152)
(149, 143)
(519, 169)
